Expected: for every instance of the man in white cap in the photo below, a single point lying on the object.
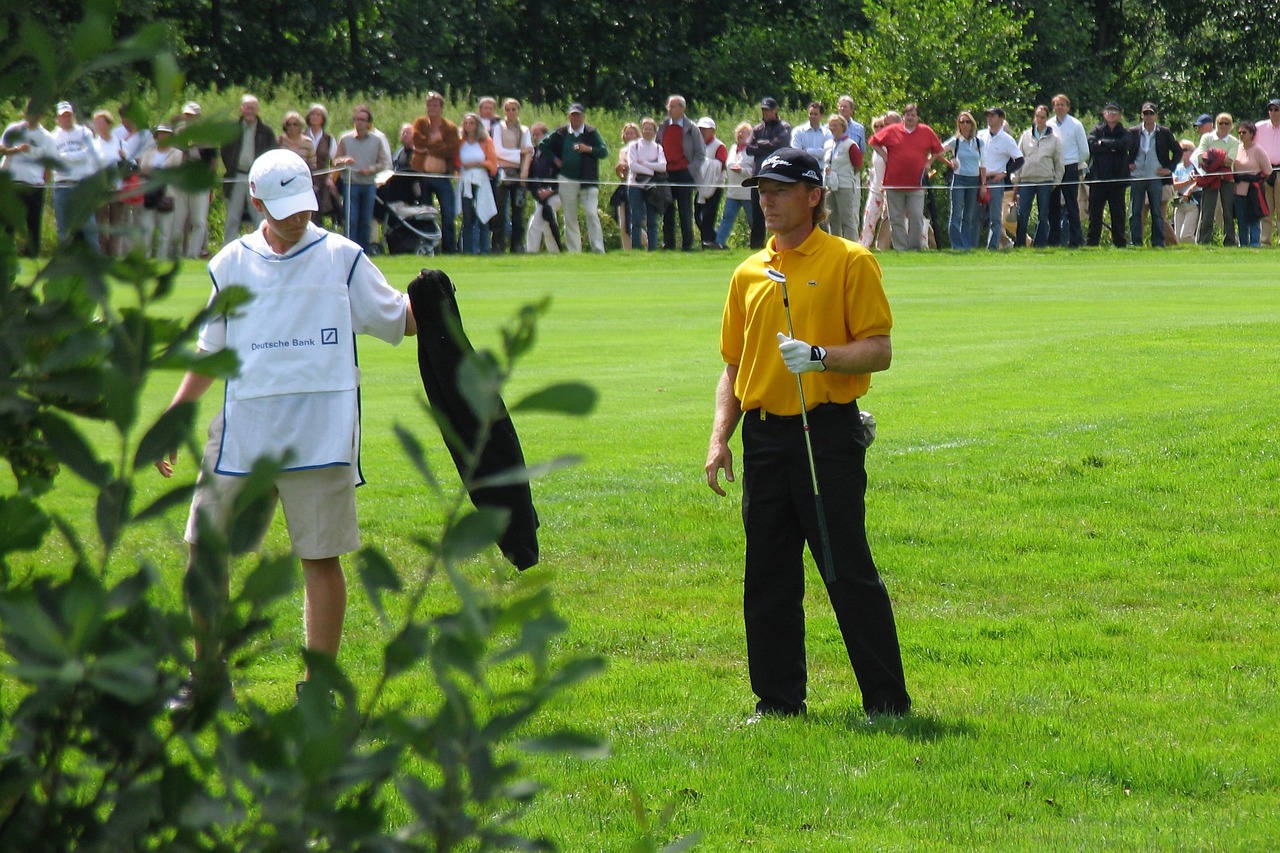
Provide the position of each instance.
(706, 206)
(77, 159)
(194, 208)
(312, 291)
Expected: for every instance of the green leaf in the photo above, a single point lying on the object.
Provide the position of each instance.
(254, 506)
(568, 398)
(219, 365)
(574, 671)
(83, 606)
(451, 437)
(78, 384)
(274, 577)
(376, 575)
(686, 842)
(131, 590)
(473, 533)
(29, 630)
(511, 476)
(72, 449)
(74, 351)
(23, 524)
(229, 299)
(567, 743)
(406, 649)
(128, 675)
(167, 77)
(120, 393)
(92, 36)
(413, 449)
(176, 496)
(479, 382)
(166, 434)
(113, 510)
(519, 335)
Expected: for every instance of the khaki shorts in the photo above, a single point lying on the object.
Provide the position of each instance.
(319, 504)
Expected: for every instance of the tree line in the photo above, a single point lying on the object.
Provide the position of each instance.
(1191, 57)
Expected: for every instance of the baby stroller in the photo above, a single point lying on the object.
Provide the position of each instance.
(408, 227)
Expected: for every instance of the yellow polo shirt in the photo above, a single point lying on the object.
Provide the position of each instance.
(836, 297)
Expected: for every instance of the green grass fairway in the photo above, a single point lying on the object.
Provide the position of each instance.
(1073, 501)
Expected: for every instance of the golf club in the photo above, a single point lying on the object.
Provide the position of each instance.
(828, 565)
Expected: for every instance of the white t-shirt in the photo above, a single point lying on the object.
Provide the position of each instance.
(997, 150)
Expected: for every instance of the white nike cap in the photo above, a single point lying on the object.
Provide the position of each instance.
(281, 180)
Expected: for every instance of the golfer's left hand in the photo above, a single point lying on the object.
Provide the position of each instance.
(800, 356)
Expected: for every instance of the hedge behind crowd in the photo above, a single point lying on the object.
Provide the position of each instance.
(1187, 56)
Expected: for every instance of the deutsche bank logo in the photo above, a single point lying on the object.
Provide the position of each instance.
(328, 337)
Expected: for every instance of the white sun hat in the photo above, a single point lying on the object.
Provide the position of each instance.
(281, 180)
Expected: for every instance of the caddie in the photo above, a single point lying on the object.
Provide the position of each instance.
(841, 336)
(296, 395)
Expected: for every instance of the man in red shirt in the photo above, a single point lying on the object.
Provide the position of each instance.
(682, 144)
(907, 148)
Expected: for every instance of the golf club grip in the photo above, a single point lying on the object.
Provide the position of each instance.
(786, 307)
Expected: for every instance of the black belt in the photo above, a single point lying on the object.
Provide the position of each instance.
(820, 409)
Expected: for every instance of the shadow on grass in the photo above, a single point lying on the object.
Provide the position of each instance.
(918, 727)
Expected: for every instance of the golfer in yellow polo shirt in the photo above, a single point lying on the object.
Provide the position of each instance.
(841, 335)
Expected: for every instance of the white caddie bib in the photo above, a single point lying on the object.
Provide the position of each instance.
(296, 393)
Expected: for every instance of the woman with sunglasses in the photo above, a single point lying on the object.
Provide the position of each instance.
(1251, 168)
(1223, 189)
(964, 156)
(296, 141)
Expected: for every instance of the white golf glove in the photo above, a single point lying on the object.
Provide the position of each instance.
(800, 356)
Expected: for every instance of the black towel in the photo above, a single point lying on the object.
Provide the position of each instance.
(439, 355)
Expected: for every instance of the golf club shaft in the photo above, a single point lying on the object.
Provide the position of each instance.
(828, 566)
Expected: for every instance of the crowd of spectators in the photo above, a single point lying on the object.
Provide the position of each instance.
(506, 187)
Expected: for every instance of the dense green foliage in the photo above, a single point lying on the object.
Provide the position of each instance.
(910, 53)
(92, 755)
(1189, 56)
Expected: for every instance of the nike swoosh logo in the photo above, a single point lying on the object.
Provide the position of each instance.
(286, 183)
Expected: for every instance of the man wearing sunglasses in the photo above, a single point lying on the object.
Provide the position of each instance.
(1108, 175)
(1153, 152)
(1223, 195)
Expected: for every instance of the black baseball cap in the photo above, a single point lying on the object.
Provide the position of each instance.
(769, 104)
(790, 166)
(999, 111)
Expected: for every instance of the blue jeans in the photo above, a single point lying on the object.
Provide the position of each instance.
(475, 234)
(730, 215)
(963, 224)
(61, 210)
(1064, 210)
(1041, 193)
(995, 213)
(361, 201)
(442, 189)
(1151, 190)
(637, 210)
(1250, 231)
